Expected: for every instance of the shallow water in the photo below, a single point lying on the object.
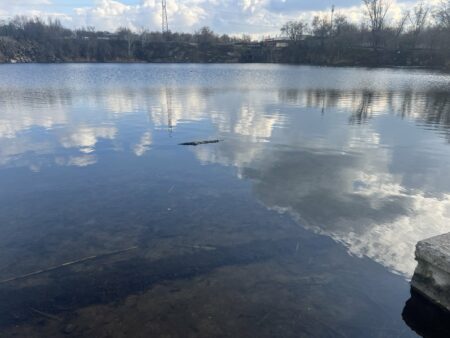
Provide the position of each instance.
(301, 221)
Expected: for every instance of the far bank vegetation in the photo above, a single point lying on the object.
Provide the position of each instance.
(420, 37)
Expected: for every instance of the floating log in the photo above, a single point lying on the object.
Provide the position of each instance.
(196, 143)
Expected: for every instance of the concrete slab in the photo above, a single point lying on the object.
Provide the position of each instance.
(432, 275)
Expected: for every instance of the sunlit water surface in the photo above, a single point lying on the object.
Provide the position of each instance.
(301, 221)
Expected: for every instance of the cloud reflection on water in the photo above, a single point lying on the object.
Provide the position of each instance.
(337, 160)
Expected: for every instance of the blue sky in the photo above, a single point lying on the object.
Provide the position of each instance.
(254, 17)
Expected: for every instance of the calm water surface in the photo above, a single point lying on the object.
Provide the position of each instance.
(302, 221)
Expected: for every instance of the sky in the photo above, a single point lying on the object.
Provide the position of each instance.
(258, 18)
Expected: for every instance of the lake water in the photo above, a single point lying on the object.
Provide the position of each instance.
(301, 221)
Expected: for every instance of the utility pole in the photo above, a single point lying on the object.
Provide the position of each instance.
(164, 22)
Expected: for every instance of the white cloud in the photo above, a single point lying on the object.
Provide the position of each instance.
(255, 17)
(32, 8)
(111, 14)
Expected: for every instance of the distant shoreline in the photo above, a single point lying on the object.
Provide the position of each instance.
(439, 69)
(341, 43)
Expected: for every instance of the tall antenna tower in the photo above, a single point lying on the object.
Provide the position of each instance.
(165, 23)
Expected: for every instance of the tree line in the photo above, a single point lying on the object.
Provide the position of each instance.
(35, 39)
(420, 37)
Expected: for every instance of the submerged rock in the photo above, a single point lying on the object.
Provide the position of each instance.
(69, 328)
(432, 275)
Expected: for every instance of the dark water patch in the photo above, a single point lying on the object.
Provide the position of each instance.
(270, 288)
(74, 289)
(425, 318)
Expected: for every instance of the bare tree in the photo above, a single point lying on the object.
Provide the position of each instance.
(399, 27)
(418, 21)
(401, 23)
(376, 11)
(205, 36)
(294, 30)
(246, 38)
(321, 26)
(126, 34)
(442, 14)
(341, 25)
